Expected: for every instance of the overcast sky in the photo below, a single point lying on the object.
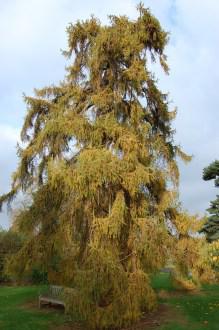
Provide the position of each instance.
(32, 32)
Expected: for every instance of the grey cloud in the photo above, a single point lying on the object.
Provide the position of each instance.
(8, 162)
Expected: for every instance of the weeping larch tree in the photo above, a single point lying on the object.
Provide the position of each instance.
(99, 157)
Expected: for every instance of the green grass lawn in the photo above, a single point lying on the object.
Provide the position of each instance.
(177, 311)
(16, 313)
(195, 311)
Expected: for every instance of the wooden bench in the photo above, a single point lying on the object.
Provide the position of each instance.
(54, 295)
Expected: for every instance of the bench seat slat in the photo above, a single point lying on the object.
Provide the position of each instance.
(51, 300)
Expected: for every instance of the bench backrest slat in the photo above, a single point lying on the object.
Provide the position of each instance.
(55, 291)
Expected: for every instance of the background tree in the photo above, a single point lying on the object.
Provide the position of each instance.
(191, 255)
(22, 218)
(211, 227)
(99, 155)
(10, 243)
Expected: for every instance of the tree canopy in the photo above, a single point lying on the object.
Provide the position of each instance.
(99, 155)
(10, 243)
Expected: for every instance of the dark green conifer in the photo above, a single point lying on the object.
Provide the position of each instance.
(211, 227)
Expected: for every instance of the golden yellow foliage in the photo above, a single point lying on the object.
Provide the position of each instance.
(100, 158)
